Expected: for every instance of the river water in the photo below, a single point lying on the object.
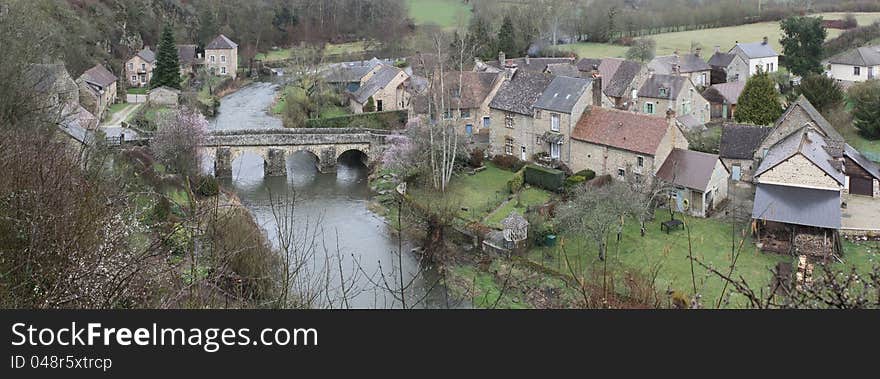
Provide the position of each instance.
(327, 215)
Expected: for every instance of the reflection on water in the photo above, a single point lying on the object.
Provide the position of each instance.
(337, 202)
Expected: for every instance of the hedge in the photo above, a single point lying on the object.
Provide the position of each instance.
(546, 178)
(374, 120)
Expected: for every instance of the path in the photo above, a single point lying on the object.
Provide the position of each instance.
(113, 127)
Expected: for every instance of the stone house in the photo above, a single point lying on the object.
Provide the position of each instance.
(385, 85)
(691, 66)
(621, 79)
(468, 97)
(164, 96)
(660, 93)
(347, 76)
(737, 148)
(221, 57)
(699, 181)
(727, 67)
(722, 98)
(758, 56)
(557, 112)
(97, 90)
(618, 143)
(139, 69)
(189, 59)
(529, 64)
(856, 65)
(799, 114)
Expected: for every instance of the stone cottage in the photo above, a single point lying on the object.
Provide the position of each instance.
(221, 57)
(621, 79)
(722, 98)
(699, 181)
(468, 97)
(139, 69)
(97, 90)
(664, 92)
(758, 56)
(385, 85)
(737, 148)
(691, 66)
(189, 60)
(728, 67)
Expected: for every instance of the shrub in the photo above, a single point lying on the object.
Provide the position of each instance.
(574, 180)
(476, 158)
(207, 186)
(587, 174)
(508, 162)
(376, 120)
(515, 184)
(546, 178)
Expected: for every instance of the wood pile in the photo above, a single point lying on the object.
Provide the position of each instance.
(815, 246)
(804, 273)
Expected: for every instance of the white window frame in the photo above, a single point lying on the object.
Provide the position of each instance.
(555, 149)
(223, 70)
(508, 146)
(222, 59)
(652, 106)
(857, 71)
(508, 121)
(143, 66)
(131, 66)
(554, 122)
(213, 58)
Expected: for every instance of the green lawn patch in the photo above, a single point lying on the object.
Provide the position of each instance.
(474, 195)
(870, 148)
(137, 91)
(445, 13)
(274, 55)
(862, 255)
(345, 48)
(519, 204)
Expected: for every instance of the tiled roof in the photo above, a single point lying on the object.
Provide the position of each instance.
(519, 94)
(687, 168)
(671, 83)
(474, 89)
(720, 59)
(863, 56)
(741, 141)
(564, 69)
(381, 79)
(728, 92)
(814, 114)
(686, 63)
(221, 43)
(563, 93)
(99, 75)
(622, 130)
(863, 162)
(757, 50)
(533, 65)
(621, 80)
(147, 54)
(186, 54)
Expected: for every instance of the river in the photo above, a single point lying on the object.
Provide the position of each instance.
(329, 213)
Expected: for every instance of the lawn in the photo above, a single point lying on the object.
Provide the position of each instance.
(871, 149)
(137, 91)
(116, 108)
(863, 255)
(329, 50)
(274, 55)
(519, 204)
(668, 253)
(474, 195)
(445, 13)
(724, 37)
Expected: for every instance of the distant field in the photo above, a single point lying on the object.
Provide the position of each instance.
(445, 13)
(329, 50)
(724, 37)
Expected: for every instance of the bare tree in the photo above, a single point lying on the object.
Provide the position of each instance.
(596, 211)
(176, 142)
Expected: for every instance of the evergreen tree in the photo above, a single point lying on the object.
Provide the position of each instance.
(167, 70)
(866, 109)
(822, 91)
(507, 37)
(802, 44)
(481, 37)
(759, 102)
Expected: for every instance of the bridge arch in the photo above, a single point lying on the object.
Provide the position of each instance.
(353, 155)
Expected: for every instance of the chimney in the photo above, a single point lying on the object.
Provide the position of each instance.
(765, 40)
(527, 59)
(675, 68)
(717, 49)
(501, 58)
(597, 87)
(698, 51)
(675, 53)
(650, 72)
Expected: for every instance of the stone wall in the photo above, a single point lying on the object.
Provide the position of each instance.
(799, 171)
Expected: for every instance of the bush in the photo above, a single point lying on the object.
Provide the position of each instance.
(476, 158)
(546, 178)
(207, 186)
(515, 184)
(389, 120)
(587, 174)
(574, 180)
(508, 162)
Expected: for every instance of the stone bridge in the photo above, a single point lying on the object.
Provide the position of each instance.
(274, 145)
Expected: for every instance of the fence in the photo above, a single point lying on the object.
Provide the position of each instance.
(135, 98)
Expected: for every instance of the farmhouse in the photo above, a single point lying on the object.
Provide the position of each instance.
(728, 67)
(189, 60)
(97, 90)
(621, 79)
(759, 56)
(856, 65)
(621, 143)
(383, 87)
(221, 57)
(139, 69)
(722, 99)
(468, 98)
(691, 66)
(798, 115)
(663, 92)
(699, 181)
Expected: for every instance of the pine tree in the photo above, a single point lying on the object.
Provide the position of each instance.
(866, 110)
(167, 71)
(759, 102)
(822, 91)
(507, 37)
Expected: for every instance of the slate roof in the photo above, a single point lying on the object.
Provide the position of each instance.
(757, 50)
(652, 86)
(863, 56)
(586, 64)
(534, 64)
(146, 54)
(476, 86)
(378, 81)
(814, 114)
(686, 63)
(563, 93)
(221, 43)
(621, 80)
(863, 162)
(624, 130)
(186, 54)
(741, 141)
(519, 94)
(350, 72)
(99, 75)
(563, 69)
(807, 143)
(728, 92)
(690, 123)
(720, 59)
(688, 168)
(796, 205)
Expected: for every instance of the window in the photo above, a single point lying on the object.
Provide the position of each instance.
(640, 161)
(539, 140)
(508, 146)
(554, 150)
(134, 78)
(703, 81)
(649, 108)
(143, 67)
(686, 107)
(487, 122)
(131, 66)
(857, 71)
(465, 113)
(554, 122)
(621, 173)
(213, 59)
(771, 67)
(508, 121)
(538, 114)
(223, 58)
(223, 70)
(447, 114)
(663, 92)
(379, 107)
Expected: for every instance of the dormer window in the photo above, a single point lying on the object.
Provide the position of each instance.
(663, 92)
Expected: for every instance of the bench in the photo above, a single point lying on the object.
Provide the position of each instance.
(669, 225)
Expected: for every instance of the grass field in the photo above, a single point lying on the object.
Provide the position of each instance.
(445, 13)
(708, 38)
(329, 50)
(526, 198)
(474, 195)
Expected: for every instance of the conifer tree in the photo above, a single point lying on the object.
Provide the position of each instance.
(866, 109)
(167, 70)
(506, 38)
(759, 102)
